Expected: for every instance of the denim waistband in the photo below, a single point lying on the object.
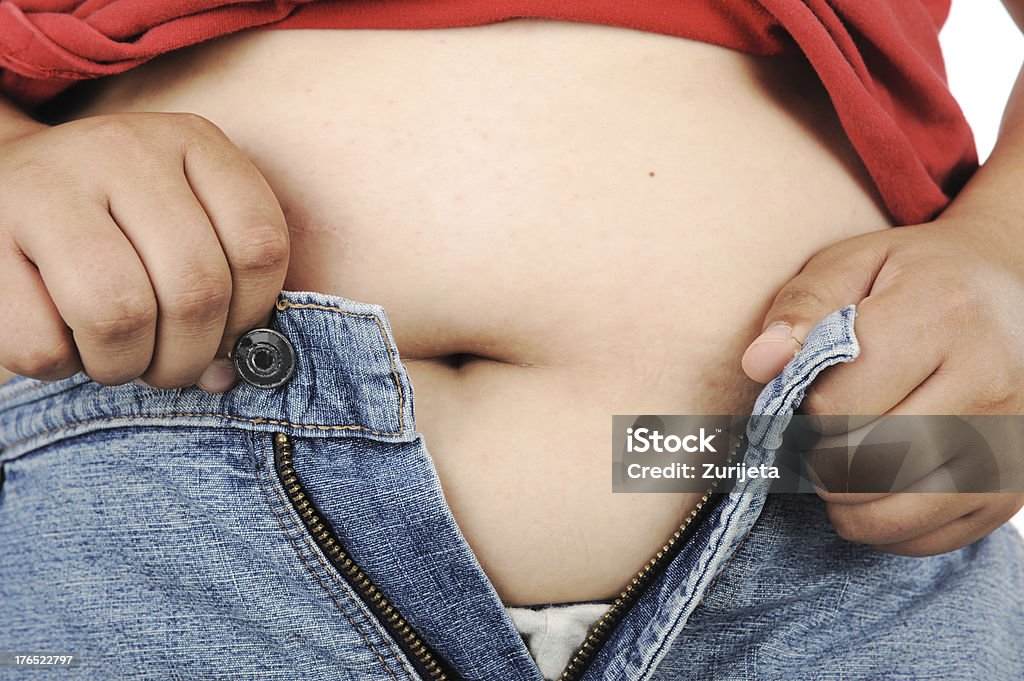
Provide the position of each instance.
(348, 382)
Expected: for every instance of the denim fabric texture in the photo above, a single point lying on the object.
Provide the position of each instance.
(148, 533)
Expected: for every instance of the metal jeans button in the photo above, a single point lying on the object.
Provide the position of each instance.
(264, 358)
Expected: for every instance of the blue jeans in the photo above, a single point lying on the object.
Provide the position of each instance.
(300, 532)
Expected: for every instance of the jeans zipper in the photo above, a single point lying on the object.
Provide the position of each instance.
(601, 631)
(428, 664)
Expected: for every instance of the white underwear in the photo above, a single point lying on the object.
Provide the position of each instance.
(553, 632)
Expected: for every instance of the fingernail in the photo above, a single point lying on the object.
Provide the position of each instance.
(218, 377)
(777, 332)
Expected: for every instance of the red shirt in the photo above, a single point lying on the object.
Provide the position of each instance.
(879, 59)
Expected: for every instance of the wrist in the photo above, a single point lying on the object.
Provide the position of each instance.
(993, 233)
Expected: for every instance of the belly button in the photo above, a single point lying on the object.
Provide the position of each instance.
(458, 360)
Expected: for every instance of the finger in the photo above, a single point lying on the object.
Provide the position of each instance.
(40, 345)
(838, 276)
(900, 517)
(960, 532)
(920, 452)
(982, 450)
(890, 456)
(100, 288)
(188, 271)
(898, 352)
(250, 225)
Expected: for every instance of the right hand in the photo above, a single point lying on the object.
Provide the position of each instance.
(134, 246)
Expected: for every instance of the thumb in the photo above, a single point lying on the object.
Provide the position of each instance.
(838, 276)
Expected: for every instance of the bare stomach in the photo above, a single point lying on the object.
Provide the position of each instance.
(563, 221)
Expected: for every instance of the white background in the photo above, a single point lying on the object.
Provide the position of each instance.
(984, 50)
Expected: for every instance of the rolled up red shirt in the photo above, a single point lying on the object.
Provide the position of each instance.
(879, 59)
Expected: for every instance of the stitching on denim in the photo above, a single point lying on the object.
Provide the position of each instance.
(283, 304)
(264, 480)
(24, 391)
(725, 567)
(256, 421)
(647, 665)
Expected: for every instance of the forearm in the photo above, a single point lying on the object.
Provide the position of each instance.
(995, 193)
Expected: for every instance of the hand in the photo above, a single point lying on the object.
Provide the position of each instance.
(134, 246)
(940, 321)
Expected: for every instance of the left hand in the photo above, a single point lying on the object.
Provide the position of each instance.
(940, 321)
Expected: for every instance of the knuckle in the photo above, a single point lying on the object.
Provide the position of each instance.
(797, 297)
(203, 297)
(194, 120)
(119, 315)
(140, 146)
(199, 127)
(44, 362)
(266, 249)
(117, 131)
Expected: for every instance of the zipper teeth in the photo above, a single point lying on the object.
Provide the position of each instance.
(428, 663)
(600, 631)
